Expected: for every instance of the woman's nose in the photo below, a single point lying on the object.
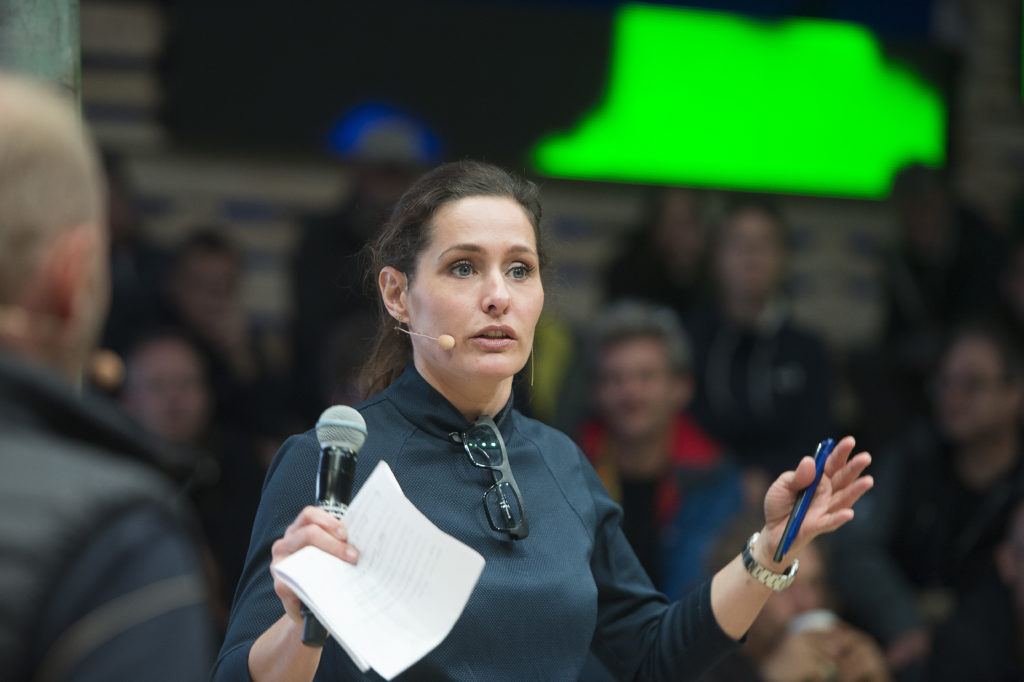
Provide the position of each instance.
(496, 296)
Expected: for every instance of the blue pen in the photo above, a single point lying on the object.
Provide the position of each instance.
(803, 501)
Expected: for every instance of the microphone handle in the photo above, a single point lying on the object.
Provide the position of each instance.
(333, 493)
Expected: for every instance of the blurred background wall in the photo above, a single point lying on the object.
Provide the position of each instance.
(222, 112)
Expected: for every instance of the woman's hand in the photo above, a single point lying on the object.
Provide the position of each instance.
(841, 485)
(311, 527)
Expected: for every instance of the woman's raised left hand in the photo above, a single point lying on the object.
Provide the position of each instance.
(841, 485)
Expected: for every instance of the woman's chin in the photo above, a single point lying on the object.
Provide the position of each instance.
(496, 367)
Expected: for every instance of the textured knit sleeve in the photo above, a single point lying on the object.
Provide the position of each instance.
(287, 489)
(639, 635)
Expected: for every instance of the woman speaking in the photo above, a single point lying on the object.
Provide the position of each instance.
(461, 256)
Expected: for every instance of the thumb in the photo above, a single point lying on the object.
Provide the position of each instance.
(804, 474)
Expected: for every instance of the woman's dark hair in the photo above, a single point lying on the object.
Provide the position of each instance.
(407, 233)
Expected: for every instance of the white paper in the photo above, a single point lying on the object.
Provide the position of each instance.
(404, 595)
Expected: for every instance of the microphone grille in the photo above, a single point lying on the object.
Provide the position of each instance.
(342, 426)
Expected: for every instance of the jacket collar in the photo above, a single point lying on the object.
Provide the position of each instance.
(32, 396)
(424, 406)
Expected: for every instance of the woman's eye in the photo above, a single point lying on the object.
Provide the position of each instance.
(462, 269)
(520, 271)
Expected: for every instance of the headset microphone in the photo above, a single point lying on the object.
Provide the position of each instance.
(446, 341)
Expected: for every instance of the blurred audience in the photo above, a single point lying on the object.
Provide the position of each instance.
(943, 494)
(665, 260)
(984, 638)
(798, 637)
(166, 389)
(764, 384)
(202, 297)
(1011, 288)
(386, 152)
(675, 487)
(100, 574)
(136, 267)
(943, 268)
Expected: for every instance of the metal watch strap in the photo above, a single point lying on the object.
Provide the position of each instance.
(776, 581)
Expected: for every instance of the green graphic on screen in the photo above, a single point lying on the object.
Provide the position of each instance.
(720, 100)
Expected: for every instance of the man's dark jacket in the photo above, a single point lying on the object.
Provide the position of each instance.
(100, 577)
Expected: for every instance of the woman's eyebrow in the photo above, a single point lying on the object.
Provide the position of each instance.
(476, 248)
(473, 248)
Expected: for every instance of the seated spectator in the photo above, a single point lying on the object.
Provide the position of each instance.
(798, 637)
(764, 384)
(167, 391)
(203, 298)
(675, 487)
(984, 638)
(926, 534)
(943, 268)
(665, 260)
(165, 387)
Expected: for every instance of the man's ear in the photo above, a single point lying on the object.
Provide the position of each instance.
(393, 284)
(76, 259)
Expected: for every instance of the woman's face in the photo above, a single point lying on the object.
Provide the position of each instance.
(479, 281)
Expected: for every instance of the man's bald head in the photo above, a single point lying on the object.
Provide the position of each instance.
(54, 278)
(50, 178)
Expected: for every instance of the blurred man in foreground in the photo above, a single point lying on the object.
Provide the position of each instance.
(99, 576)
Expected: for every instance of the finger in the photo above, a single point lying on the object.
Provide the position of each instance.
(839, 509)
(315, 516)
(308, 514)
(783, 492)
(802, 477)
(829, 522)
(849, 495)
(312, 535)
(851, 471)
(840, 453)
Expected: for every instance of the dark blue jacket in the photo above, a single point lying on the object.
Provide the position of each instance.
(541, 603)
(100, 574)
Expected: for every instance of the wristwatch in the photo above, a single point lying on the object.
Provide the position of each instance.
(776, 581)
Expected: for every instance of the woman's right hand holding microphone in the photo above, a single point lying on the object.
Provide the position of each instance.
(312, 527)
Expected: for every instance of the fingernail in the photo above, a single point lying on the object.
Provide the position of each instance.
(351, 554)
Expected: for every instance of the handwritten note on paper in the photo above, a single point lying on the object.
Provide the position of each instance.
(405, 594)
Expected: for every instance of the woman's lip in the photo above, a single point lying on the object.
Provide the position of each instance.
(483, 333)
(492, 343)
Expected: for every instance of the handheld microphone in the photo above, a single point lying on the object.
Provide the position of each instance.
(341, 431)
(446, 341)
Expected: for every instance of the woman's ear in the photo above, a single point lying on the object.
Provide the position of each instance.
(392, 283)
